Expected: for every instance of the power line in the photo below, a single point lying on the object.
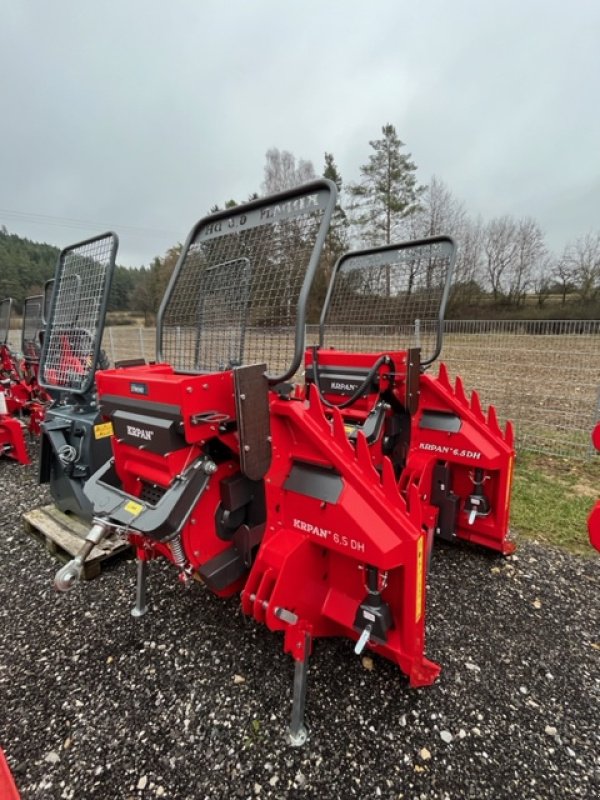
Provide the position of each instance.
(70, 222)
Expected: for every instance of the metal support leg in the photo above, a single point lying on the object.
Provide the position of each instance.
(140, 606)
(297, 733)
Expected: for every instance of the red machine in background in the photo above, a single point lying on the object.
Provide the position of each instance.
(12, 438)
(24, 401)
(317, 502)
(594, 517)
(31, 400)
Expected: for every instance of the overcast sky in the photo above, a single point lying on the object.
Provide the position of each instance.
(139, 115)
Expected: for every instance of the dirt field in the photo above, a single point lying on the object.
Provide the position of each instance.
(548, 385)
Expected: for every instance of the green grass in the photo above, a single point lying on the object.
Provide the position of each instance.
(552, 498)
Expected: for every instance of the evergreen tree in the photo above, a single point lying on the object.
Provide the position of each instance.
(335, 245)
(24, 266)
(387, 192)
(337, 240)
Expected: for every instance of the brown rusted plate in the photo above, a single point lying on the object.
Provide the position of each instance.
(413, 373)
(254, 424)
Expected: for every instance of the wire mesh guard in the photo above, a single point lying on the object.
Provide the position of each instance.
(32, 327)
(234, 295)
(74, 328)
(48, 292)
(5, 309)
(391, 297)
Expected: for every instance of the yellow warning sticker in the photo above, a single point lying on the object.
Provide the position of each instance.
(133, 508)
(419, 592)
(509, 481)
(103, 430)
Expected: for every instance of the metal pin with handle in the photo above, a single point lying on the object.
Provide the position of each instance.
(363, 640)
(474, 509)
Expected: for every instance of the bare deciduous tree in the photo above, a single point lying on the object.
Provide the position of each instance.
(468, 270)
(580, 263)
(543, 277)
(499, 250)
(282, 172)
(564, 276)
(530, 251)
(439, 213)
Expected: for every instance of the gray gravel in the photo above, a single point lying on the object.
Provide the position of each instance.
(192, 700)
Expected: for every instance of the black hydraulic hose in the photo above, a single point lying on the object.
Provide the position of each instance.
(357, 393)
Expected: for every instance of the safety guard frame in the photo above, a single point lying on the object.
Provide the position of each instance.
(251, 212)
(385, 249)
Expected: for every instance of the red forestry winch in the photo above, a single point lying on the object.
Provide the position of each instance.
(24, 401)
(317, 502)
(74, 442)
(12, 439)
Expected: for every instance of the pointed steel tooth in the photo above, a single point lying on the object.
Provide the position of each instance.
(315, 408)
(459, 391)
(443, 376)
(363, 455)
(509, 434)
(388, 480)
(339, 432)
(492, 421)
(476, 406)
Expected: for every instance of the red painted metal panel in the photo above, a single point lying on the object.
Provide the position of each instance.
(8, 789)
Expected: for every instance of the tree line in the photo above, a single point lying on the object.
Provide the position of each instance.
(25, 266)
(504, 267)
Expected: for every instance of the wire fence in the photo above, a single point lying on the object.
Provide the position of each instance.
(542, 375)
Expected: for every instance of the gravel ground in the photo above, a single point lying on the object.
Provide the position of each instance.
(192, 700)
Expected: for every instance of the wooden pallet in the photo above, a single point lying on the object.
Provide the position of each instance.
(63, 534)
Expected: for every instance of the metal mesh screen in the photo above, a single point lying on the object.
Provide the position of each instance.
(234, 297)
(391, 297)
(76, 321)
(5, 309)
(224, 292)
(32, 327)
(48, 291)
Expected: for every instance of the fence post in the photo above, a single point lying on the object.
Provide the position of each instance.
(112, 345)
(141, 338)
(591, 449)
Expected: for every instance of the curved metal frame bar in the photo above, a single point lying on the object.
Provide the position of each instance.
(303, 189)
(82, 390)
(388, 248)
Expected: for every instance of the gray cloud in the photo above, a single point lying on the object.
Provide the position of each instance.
(141, 115)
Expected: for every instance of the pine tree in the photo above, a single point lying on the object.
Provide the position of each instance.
(335, 245)
(337, 240)
(387, 193)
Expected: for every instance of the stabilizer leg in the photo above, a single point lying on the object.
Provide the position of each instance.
(297, 733)
(141, 606)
